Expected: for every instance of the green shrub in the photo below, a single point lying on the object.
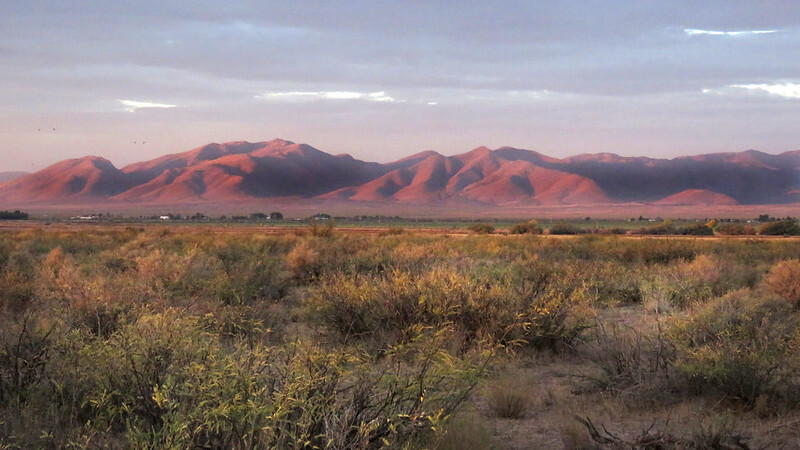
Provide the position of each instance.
(555, 319)
(697, 229)
(164, 382)
(321, 228)
(785, 227)
(482, 228)
(649, 251)
(734, 229)
(179, 338)
(565, 228)
(613, 284)
(740, 344)
(384, 306)
(664, 228)
(18, 281)
(25, 346)
(529, 227)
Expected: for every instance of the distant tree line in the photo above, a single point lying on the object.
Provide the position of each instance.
(16, 215)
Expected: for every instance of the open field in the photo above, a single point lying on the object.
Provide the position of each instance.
(302, 207)
(160, 335)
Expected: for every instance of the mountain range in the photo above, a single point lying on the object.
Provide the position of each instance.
(243, 171)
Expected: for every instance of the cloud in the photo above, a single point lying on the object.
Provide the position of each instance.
(327, 95)
(133, 105)
(786, 90)
(696, 32)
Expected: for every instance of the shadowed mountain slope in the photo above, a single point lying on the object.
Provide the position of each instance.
(242, 171)
(749, 177)
(71, 179)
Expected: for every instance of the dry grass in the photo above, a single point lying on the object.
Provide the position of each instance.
(508, 400)
(231, 309)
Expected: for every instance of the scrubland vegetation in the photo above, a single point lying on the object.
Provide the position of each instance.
(182, 338)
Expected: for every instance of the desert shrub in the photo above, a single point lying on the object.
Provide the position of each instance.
(392, 231)
(139, 358)
(321, 228)
(723, 273)
(529, 227)
(629, 358)
(25, 345)
(159, 275)
(303, 261)
(532, 276)
(418, 254)
(199, 274)
(232, 323)
(554, 320)
(18, 281)
(384, 306)
(650, 251)
(666, 291)
(697, 229)
(250, 272)
(181, 339)
(785, 227)
(31, 413)
(664, 228)
(734, 229)
(553, 305)
(740, 344)
(613, 283)
(565, 228)
(482, 228)
(783, 280)
(702, 433)
(96, 301)
(174, 387)
(462, 431)
(358, 254)
(684, 283)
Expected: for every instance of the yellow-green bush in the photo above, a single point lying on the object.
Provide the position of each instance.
(179, 338)
(741, 344)
(783, 280)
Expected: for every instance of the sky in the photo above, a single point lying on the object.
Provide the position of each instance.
(380, 80)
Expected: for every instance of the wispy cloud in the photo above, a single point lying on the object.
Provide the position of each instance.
(696, 32)
(786, 90)
(133, 105)
(327, 95)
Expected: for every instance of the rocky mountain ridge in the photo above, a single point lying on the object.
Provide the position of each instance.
(241, 171)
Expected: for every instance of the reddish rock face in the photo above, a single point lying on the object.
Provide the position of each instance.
(242, 171)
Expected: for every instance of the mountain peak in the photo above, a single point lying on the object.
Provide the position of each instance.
(244, 171)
